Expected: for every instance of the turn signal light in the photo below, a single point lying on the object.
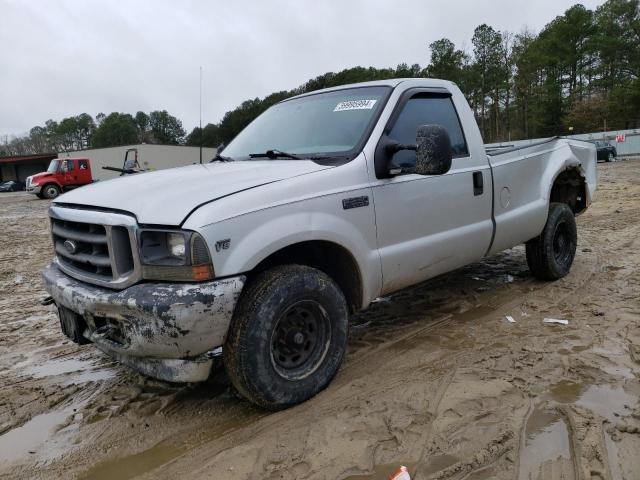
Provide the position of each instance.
(201, 272)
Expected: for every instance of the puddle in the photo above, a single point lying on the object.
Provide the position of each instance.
(604, 400)
(21, 441)
(546, 444)
(130, 466)
(565, 391)
(384, 471)
(79, 371)
(134, 465)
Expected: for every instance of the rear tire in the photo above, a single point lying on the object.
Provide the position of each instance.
(288, 336)
(50, 191)
(550, 255)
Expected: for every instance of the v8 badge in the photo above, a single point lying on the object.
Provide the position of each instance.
(223, 244)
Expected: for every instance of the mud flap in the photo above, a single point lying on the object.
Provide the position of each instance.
(72, 325)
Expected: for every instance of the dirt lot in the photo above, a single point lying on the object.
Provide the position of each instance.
(436, 378)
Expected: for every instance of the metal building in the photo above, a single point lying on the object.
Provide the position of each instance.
(150, 157)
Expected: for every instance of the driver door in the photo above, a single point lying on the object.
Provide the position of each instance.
(430, 224)
(70, 174)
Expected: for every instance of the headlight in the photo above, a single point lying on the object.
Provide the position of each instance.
(177, 246)
(174, 255)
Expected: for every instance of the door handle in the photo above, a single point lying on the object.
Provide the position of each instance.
(478, 183)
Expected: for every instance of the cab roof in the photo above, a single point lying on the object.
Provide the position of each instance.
(392, 82)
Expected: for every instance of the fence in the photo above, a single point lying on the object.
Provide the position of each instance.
(629, 148)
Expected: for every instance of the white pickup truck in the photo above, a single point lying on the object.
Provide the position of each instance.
(323, 203)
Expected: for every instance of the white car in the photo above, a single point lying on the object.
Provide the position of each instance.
(323, 203)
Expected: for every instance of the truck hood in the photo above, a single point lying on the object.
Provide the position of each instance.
(40, 176)
(167, 197)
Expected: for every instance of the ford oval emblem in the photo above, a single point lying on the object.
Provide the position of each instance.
(71, 246)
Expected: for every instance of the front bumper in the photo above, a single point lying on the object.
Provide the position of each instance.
(163, 330)
(33, 188)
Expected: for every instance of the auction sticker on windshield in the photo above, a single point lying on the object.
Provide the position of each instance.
(355, 105)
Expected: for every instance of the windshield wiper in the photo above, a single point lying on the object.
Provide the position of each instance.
(273, 154)
(220, 158)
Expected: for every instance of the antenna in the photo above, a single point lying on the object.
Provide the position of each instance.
(201, 114)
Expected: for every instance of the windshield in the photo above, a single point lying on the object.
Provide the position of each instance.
(323, 124)
(53, 166)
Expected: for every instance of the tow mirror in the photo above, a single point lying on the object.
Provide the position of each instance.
(433, 150)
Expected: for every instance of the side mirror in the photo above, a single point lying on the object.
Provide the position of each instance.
(433, 150)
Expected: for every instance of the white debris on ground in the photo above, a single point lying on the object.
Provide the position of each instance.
(556, 320)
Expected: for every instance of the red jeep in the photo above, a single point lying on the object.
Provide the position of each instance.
(63, 174)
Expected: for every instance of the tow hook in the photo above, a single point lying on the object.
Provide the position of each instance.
(47, 301)
(104, 331)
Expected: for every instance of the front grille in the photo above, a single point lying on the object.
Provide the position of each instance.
(82, 246)
(92, 252)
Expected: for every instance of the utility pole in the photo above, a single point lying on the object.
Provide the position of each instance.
(201, 114)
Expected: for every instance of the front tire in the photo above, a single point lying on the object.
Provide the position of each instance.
(550, 255)
(50, 191)
(288, 336)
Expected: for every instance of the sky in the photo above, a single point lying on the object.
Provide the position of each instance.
(61, 58)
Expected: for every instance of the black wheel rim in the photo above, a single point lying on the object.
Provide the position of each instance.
(300, 340)
(562, 244)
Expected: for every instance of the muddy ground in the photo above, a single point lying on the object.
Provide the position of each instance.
(435, 379)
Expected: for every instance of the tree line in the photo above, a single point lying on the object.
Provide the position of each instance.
(581, 73)
(83, 131)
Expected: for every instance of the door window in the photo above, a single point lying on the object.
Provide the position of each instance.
(68, 165)
(423, 110)
(83, 164)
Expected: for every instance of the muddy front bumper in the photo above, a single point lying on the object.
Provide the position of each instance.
(166, 331)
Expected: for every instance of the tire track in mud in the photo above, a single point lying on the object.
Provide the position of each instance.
(497, 311)
(382, 352)
(353, 370)
(485, 312)
(436, 324)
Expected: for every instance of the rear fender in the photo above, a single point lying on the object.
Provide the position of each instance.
(523, 181)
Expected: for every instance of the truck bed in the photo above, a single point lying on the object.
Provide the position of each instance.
(522, 179)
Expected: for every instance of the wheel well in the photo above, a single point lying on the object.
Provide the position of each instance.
(569, 187)
(330, 258)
